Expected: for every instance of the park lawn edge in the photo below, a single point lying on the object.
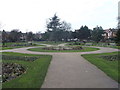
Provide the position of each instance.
(6, 48)
(30, 79)
(105, 65)
(86, 49)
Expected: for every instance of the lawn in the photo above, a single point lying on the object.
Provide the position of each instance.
(12, 45)
(93, 44)
(85, 49)
(101, 44)
(107, 66)
(117, 47)
(5, 48)
(35, 71)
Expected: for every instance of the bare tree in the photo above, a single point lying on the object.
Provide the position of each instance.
(0, 32)
(118, 15)
(118, 22)
(65, 26)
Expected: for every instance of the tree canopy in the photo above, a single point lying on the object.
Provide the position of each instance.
(97, 34)
(83, 33)
(57, 30)
(117, 39)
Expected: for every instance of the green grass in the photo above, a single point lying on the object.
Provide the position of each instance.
(85, 49)
(35, 74)
(9, 45)
(117, 47)
(109, 67)
(95, 44)
(101, 44)
(5, 48)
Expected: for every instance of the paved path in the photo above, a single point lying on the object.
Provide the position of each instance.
(70, 70)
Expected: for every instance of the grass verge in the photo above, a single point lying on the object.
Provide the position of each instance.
(109, 67)
(12, 45)
(35, 74)
(5, 48)
(85, 49)
(110, 46)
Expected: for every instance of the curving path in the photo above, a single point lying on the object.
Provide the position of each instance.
(71, 70)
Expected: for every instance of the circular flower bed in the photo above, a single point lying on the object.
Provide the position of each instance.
(111, 57)
(11, 71)
(25, 58)
(60, 48)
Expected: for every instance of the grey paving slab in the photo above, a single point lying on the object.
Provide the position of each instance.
(73, 71)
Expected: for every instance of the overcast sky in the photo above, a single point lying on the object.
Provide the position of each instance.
(31, 15)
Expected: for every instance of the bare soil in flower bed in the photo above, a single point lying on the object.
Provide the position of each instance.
(111, 57)
(34, 74)
(11, 71)
(26, 58)
(60, 48)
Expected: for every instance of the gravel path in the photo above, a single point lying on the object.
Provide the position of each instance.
(70, 70)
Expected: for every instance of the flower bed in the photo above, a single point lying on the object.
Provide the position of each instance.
(26, 58)
(111, 57)
(11, 71)
(60, 48)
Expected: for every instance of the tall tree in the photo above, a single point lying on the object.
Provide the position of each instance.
(119, 22)
(97, 34)
(83, 33)
(37, 36)
(65, 26)
(65, 32)
(4, 37)
(117, 39)
(15, 35)
(56, 30)
(53, 26)
(30, 36)
(54, 23)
